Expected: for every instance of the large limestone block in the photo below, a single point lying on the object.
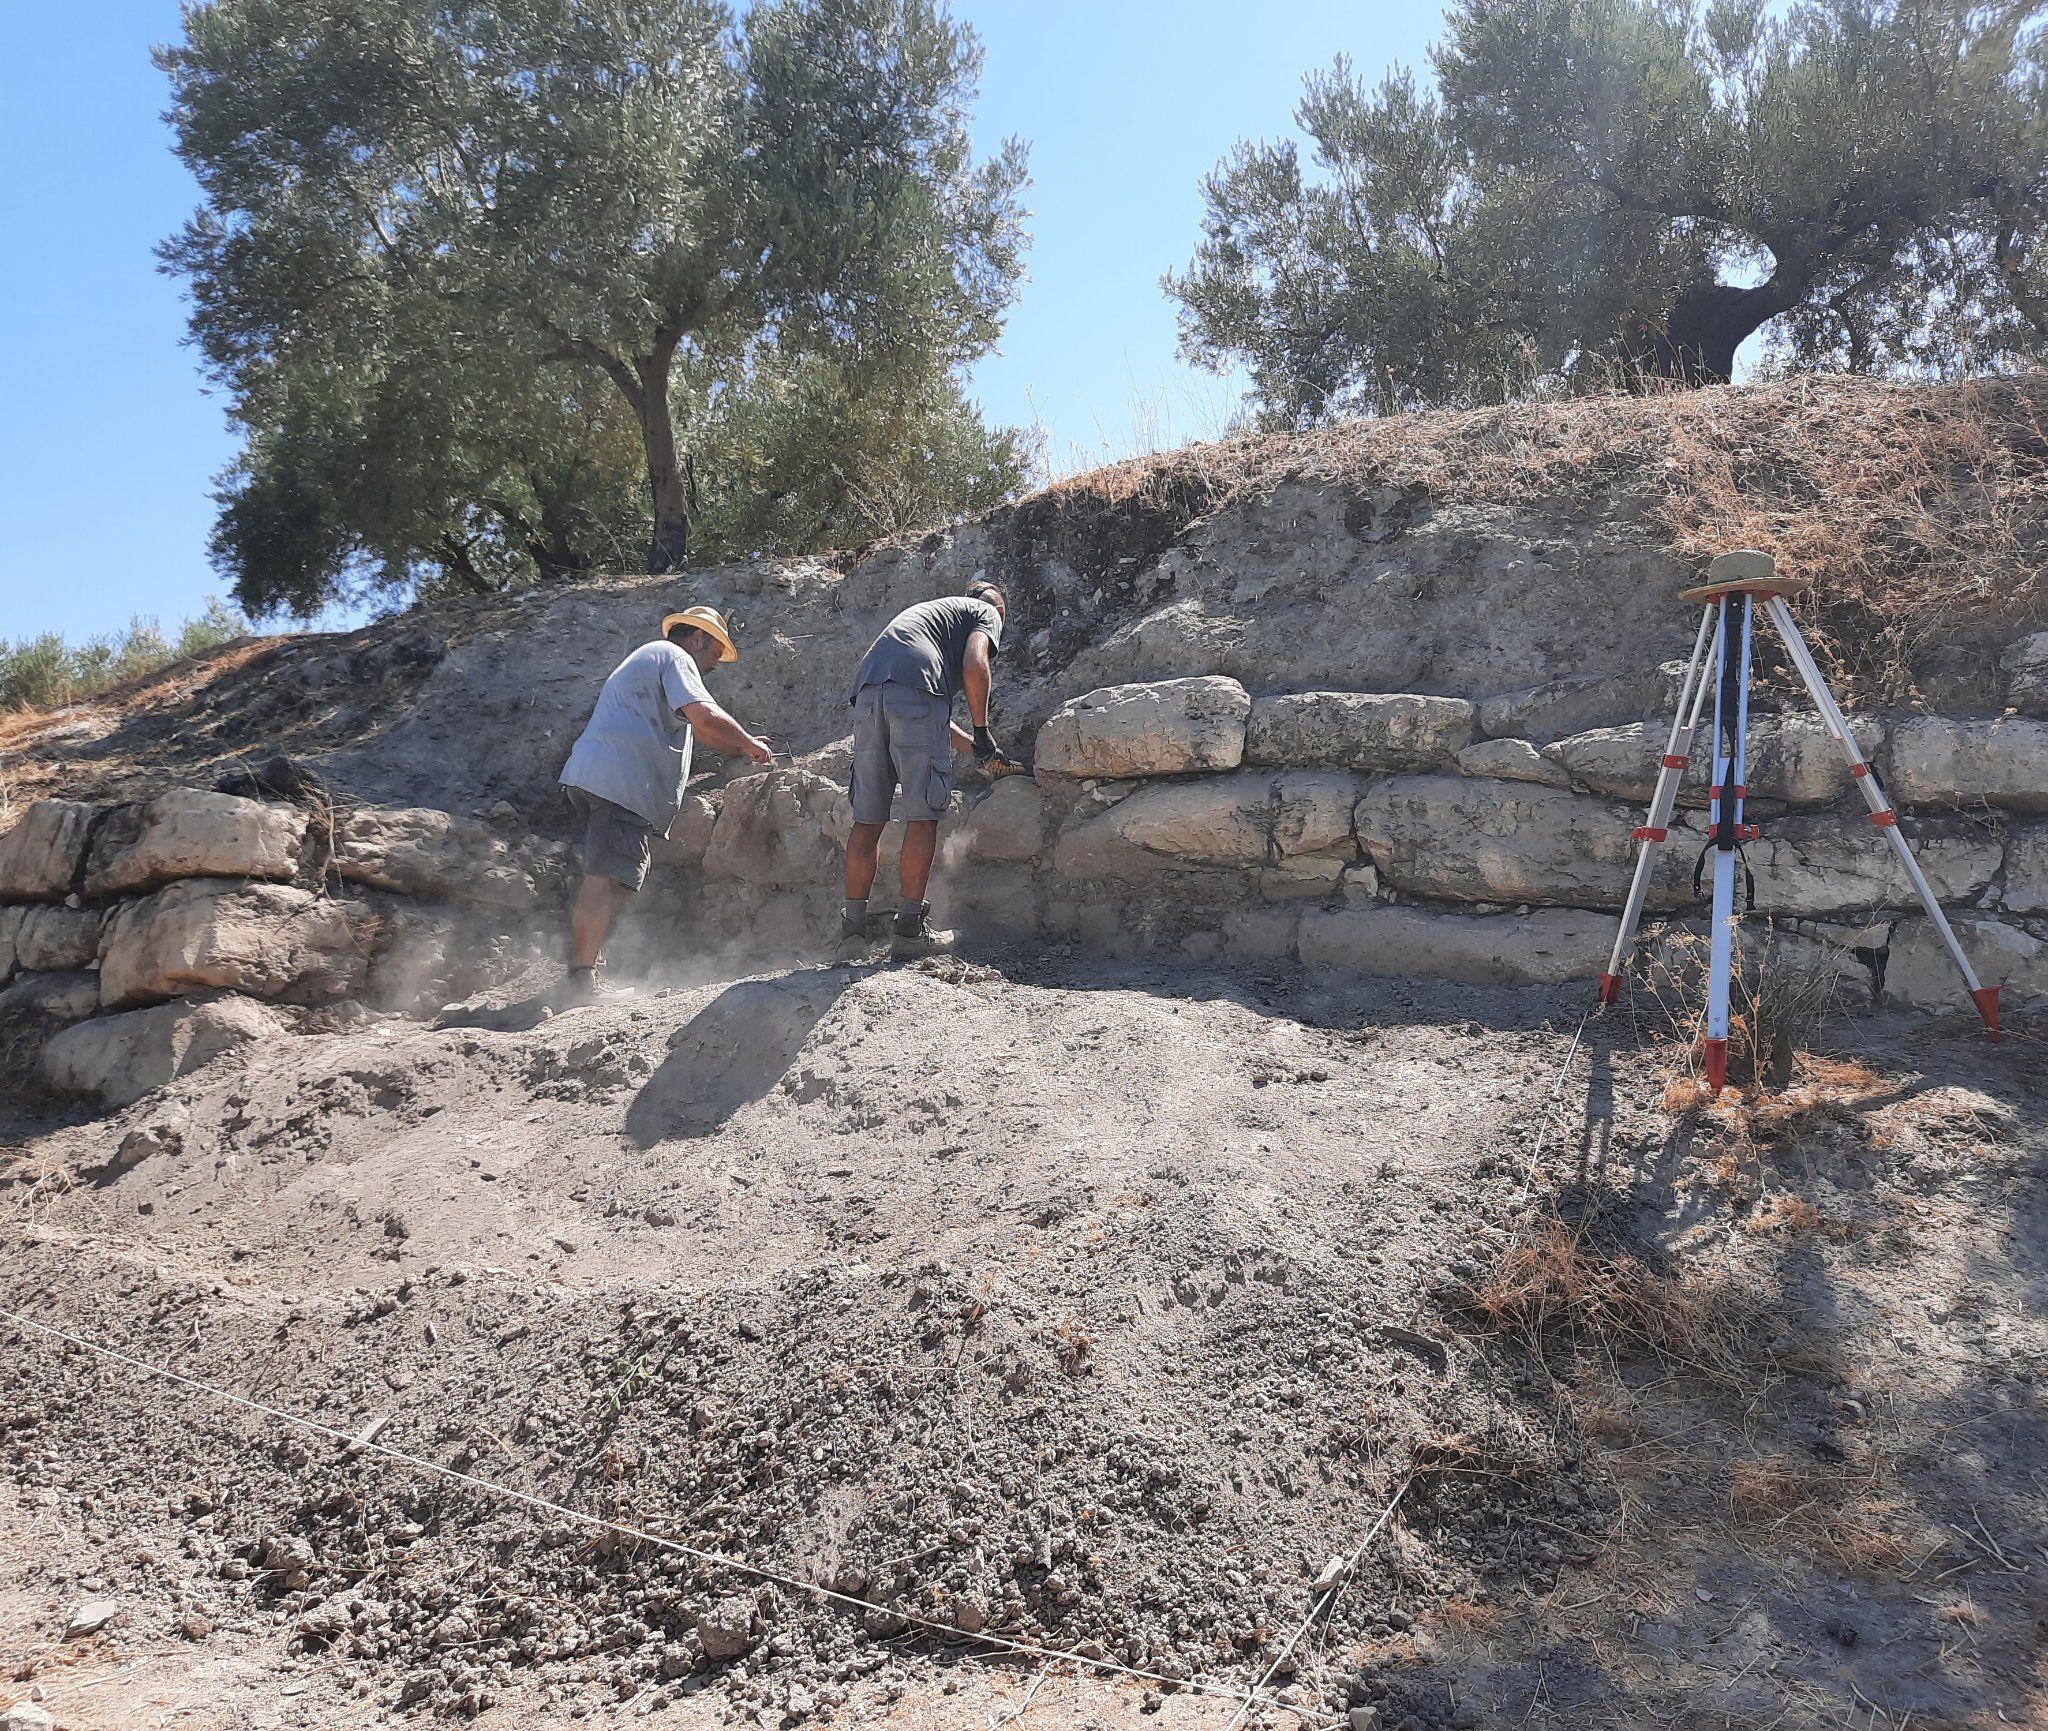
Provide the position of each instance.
(1358, 730)
(1792, 758)
(1512, 760)
(1549, 947)
(60, 997)
(1820, 867)
(418, 851)
(1452, 838)
(2025, 666)
(1224, 820)
(689, 837)
(2026, 874)
(1576, 701)
(1920, 974)
(118, 1059)
(1171, 727)
(1009, 824)
(40, 856)
(778, 830)
(10, 934)
(55, 938)
(1944, 760)
(1313, 812)
(267, 940)
(189, 833)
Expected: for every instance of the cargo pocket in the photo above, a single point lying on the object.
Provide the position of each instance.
(938, 791)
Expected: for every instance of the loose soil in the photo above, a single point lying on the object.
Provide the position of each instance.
(1098, 1306)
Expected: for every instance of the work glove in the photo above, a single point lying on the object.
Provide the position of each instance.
(985, 747)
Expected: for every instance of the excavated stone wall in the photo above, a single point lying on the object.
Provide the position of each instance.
(1411, 833)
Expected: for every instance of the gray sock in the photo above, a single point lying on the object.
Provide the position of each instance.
(853, 915)
(909, 913)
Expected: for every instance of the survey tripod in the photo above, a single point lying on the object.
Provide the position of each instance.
(1738, 586)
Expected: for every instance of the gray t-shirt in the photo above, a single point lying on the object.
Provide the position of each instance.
(925, 646)
(635, 749)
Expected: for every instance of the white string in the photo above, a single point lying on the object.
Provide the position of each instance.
(717, 1559)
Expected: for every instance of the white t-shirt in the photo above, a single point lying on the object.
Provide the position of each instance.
(635, 749)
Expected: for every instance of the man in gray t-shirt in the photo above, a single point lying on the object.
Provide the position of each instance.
(630, 766)
(903, 733)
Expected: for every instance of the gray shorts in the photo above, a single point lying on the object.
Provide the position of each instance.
(901, 734)
(617, 843)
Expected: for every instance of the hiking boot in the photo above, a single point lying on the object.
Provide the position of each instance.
(580, 987)
(855, 942)
(915, 936)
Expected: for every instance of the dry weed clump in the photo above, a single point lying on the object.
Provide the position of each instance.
(1555, 1292)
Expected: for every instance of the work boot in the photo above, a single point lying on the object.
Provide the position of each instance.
(580, 986)
(854, 941)
(914, 935)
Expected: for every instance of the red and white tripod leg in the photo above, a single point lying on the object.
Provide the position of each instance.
(1882, 816)
(1677, 751)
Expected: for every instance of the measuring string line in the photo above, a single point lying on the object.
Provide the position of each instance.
(794, 1582)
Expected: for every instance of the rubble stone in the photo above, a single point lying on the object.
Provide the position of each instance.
(418, 851)
(2025, 666)
(1358, 730)
(1009, 824)
(11, 918)
(41, 855)
(1512, 760)
(779, 829)
(118, 1059)
(52, 938)
(59, 997)
(726, 1631)
(1943, 759)
(689, 837)
(1169, 727)
(189, 832)
(267, 940)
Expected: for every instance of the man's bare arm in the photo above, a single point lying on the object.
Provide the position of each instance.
(719, 731)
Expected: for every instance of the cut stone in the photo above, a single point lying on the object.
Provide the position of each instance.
(1943, 760)
(1550, 947)
(1219, 820)
(188, 833)
(118, 1059)
(2026, 872)
(1793, 758)
(41, 855)
(1169, 727)
(267, 940)
(1358, 730)
(1920, 973)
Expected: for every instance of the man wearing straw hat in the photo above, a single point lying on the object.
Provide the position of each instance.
(629, 768)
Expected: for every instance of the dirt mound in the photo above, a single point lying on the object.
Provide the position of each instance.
(1096, 1309)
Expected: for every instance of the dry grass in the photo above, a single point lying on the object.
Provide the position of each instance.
(1918, 510)
(1554, 1292)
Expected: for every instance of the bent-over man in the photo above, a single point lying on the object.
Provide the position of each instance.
(903, 733)
(630, 766)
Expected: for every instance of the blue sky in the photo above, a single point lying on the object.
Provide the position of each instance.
(110, 442)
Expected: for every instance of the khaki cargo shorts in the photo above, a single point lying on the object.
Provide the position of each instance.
(901, 734)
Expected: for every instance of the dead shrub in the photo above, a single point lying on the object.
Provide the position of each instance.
(1556, 1293)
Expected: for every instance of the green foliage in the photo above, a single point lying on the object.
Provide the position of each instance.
(45, 672)
(1611, 191)
(481, 277)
